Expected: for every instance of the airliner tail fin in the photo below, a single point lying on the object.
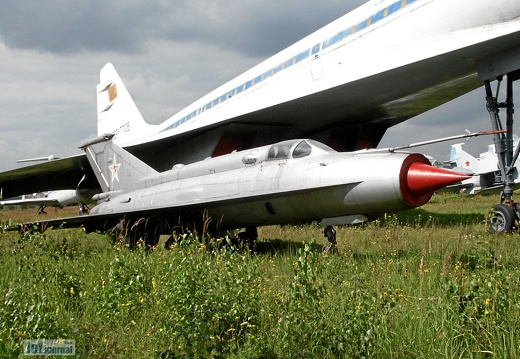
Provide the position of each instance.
(117, 112)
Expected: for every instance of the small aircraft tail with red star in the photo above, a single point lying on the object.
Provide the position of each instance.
(117, 171)
(487, 162)
(486, 171)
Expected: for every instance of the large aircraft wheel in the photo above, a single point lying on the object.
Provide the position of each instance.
(249, 236)
(501, 218)
(151, 238)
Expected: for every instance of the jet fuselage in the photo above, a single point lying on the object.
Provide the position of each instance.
(288, 182)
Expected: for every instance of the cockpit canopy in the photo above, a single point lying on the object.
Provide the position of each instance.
(296, 149)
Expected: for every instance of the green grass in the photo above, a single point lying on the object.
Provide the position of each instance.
(426, 283)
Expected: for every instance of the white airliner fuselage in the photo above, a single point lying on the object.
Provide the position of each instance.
(374, 67)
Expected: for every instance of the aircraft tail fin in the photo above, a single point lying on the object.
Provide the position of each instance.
(463, 159)
(117, 112)
(117, 170)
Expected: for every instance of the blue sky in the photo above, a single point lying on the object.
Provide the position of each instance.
(168, 53)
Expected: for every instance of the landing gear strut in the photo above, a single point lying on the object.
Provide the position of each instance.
(330, 233)
(83, 208)
(503, 217)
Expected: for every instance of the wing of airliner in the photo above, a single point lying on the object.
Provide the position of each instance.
(343, 85)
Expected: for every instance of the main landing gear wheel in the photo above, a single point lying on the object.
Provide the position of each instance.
(330, 233)
(501, 218)
(249, 236)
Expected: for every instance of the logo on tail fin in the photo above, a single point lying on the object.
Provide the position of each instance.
(112, 92)
(114, 168)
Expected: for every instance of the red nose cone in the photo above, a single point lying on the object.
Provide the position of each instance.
(418, 179)
(425, 179)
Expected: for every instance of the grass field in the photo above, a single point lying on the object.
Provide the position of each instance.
(427, 283)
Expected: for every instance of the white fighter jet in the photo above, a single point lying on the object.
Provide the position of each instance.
(291, 181)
